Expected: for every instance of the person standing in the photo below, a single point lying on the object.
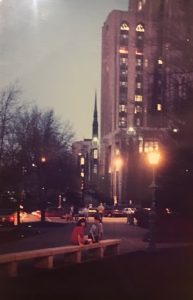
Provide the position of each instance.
(101, 210)
(71, 213)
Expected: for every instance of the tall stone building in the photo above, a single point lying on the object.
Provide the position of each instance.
(146, 61)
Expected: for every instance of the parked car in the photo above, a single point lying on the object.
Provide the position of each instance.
(7, 217)
(128, 210)
(114, 211)
(118, 212)
(54, 212)
(108, 212)
(91, 211)
(142, 216)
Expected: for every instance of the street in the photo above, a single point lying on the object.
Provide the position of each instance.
(56, 232)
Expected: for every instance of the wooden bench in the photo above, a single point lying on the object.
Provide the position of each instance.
(44, 258)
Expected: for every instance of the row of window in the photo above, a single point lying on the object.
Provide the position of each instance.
(124, 28)
(123, 83)
(147, 146)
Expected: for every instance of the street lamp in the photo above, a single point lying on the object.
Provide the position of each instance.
(118, 164)
(43, 195)
(153, 158)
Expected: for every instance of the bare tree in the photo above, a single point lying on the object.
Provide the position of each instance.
(9, 108)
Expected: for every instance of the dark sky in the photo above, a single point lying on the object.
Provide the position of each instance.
(52, 48)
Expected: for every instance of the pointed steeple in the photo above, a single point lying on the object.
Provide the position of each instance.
(95, 119)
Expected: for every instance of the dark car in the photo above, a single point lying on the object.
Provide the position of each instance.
(114, 211)
(54, 212)
(108, 212)
(142, 216)
(118, 212)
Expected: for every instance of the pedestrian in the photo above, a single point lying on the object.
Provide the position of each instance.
(101, 210)
(85, 213)
(78, 236)
(71, 213)
(96, 230)
(76, 213)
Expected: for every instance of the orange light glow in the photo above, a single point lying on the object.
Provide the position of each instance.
(153, 157)
(118, 163)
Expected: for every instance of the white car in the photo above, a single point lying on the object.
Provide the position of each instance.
(128, 210)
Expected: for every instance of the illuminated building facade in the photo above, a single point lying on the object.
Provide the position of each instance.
(144, 51)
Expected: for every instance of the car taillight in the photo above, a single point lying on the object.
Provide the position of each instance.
(11, 218)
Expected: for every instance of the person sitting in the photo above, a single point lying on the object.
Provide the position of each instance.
(78, 234)
(96, 230)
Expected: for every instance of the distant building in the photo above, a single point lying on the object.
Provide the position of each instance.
(87, 154)
(146, 61)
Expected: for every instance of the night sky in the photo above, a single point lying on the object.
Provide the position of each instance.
(52, 48)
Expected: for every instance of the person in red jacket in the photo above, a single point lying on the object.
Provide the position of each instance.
(78, 234)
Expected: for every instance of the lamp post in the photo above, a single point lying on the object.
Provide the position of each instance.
(118, 164)
(43, 196)
(154, 158)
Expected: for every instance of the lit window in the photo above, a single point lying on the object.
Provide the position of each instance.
(146, 62)
(140, 147)
(140, 28)
(131, 130)
(124, 36)
(124, 26)
(82, 161)
(95, 154)
(140, 6)
(138, 122)
(82, 174)
(117, 151)
(123, 83)
(122, 107)
(159, 107)
(123, 51)
(138, 109)
(160, 62)
(95, 169)
(123, 72)
(138, 52)
(151, 146)
(138, 98)
(123, 60)
(139, 61)
(122, 122)
(138, 85)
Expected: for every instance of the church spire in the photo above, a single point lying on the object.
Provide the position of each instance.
(95, 119)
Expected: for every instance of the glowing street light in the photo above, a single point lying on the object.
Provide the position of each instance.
(118, 162)
(43, 159)
(154, 159)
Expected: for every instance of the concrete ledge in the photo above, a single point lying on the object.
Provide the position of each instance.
(44, 258)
